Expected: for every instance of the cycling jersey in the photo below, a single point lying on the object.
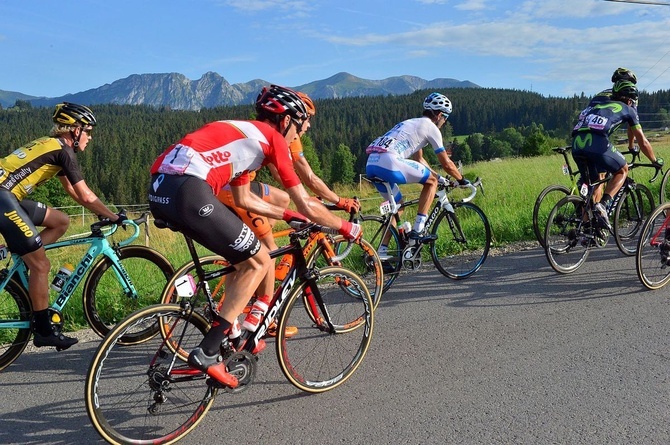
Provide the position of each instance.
(32, 164)
(591, 146)
(408, 137)
(218, 154)
(225, 152)
(389, 155)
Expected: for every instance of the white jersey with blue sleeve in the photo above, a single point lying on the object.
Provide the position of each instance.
(408, 137)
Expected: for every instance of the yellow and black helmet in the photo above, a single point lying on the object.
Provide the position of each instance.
(72, 114)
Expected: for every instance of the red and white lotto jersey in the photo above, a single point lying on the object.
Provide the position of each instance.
(225, 152)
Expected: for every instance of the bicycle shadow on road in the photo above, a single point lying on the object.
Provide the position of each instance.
(523, 278)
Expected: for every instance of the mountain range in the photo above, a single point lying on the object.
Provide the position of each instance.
(176, 91)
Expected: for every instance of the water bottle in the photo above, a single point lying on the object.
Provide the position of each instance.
(61, 277)
(404, 230)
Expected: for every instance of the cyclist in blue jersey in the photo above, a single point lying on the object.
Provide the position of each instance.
(591, 145)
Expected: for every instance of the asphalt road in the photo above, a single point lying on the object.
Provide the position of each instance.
(517, 354)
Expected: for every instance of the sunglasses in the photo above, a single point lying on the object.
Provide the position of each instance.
(445, 116)
(88, 131)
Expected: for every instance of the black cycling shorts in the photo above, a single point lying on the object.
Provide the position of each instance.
(599, 157)
(189, 204)
(18, 221)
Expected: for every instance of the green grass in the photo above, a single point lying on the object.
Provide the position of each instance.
(510, 189)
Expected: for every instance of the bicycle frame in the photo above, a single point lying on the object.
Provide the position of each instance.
(99, 245)
(297, 273)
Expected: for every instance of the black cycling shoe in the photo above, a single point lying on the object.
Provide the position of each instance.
(421, 237)
(57, 339)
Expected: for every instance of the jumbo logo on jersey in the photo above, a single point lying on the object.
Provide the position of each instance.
(206, 210)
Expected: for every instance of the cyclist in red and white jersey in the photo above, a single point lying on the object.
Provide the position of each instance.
(186, 179)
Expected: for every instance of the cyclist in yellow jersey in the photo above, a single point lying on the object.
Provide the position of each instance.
(20, 173)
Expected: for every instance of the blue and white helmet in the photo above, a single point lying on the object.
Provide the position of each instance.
(437, 102)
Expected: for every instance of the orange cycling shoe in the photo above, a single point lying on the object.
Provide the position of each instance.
(289, 332)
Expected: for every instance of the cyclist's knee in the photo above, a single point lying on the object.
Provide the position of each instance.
(37, 262)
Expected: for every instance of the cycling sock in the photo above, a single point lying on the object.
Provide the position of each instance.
(606, 200)
(41, 323)
(419, 222)
(211, 344)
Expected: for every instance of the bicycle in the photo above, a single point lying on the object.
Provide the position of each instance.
(653, 249)
(463, 234)
(321, 249)
(573, 227)
(124, 278)
(551, 194)
(146, 392)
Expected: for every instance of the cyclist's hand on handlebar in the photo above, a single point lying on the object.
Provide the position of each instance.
(292, 216)
(463, 181)
(121, 216)
(350, 205)
(350, 231)
(658, 162)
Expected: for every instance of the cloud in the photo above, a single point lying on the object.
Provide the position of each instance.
(262, 5)
(472, 5)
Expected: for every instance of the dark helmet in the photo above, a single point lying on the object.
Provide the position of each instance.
(624, 74)
(624, 89)
(72, 114)
(279, 101)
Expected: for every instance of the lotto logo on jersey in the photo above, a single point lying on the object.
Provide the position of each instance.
(216, 158)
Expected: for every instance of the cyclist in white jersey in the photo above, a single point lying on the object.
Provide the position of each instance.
(397, 158)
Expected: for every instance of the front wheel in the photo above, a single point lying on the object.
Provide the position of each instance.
(142, 393)
(15, 315)
(334, 330)
(111, 292)
(652, 259)
(463, 241)
(629, 216)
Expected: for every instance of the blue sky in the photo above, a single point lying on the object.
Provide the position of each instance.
(553, 47)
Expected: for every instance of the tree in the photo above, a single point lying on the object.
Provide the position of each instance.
(342, 168)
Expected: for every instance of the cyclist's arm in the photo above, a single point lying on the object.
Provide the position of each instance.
(643, 143)
(449, 165)
(312, 181)
(84, 196)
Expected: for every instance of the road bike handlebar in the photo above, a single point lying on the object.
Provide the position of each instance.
(303, 230)
(472, 186)
(96, 227)
(635, 158)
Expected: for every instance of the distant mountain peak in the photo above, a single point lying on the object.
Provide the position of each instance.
(176, 91)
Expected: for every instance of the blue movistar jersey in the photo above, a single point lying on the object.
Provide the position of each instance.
(604, 117)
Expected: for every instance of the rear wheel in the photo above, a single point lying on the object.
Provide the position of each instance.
(142, 393)
(567, 240)
(546, 201)
(373, 231)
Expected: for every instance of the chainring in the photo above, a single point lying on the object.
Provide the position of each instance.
(243, 366)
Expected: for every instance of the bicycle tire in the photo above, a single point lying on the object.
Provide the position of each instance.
(653, 249)
(664, 190)
(453, 256)
(373, 231)
(317, 359)
(14, 306)
(132, 396)
(546, 201)
(564, 234)
(105, 301)
(629, 217)
(362, 260)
